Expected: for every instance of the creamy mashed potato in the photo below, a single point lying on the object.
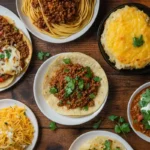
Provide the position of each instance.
(121, 29)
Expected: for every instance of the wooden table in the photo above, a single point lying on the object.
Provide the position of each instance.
(121, 86)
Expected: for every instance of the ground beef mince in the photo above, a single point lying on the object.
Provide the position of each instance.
(60, 11)
(10, 35)
(75, 86)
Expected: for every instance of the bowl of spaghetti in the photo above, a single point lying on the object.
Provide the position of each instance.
(58, 21)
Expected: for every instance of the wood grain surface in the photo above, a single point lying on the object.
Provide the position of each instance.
(121, 86)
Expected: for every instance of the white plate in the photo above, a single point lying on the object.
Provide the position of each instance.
(10, 102)
(90, 135)
(46, 109)
(47, 38)
(6, 12)
(141, 135)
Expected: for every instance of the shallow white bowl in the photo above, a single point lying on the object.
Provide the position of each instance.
(47, 38)
(6, 12)
(4, 103)
(46, 109)
(90, 135)
(141, 135)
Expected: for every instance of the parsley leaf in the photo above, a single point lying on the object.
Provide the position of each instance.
(112, 117)
(125, 128)
(138, 41)
(97, 79)
(145, 98)
(86, 108)
(66, 70)
(89, 72)
(117, 148)
(53, 90)
(107, 145)
(8, 53)
(92, 96)
(67, 61)
(70, 86)
(2, 56)
(53, 126)
(117, 129)
(121, 120)
(41, 55)
(81, 84)
(97, 124)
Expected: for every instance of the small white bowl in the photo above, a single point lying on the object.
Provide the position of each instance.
(47, 38)
(141, 135)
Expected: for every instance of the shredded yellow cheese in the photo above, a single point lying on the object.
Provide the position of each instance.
(16, 130)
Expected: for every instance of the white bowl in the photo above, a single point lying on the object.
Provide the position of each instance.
(46, 109)
(90, 135)
(141, 135)
(47, 38)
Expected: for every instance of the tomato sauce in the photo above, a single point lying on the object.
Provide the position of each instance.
(136, 114)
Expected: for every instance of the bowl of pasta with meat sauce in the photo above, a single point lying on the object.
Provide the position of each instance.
(139, 111)
(58, 21)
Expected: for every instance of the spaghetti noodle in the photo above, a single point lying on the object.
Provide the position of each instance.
(59, 19)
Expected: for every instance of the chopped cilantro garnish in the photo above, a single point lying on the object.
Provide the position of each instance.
(138, 41)
(67, 60)
(86, 108)
(81, 84)
(70, 86)
(89, 72)
(113, 117)
(117, 148)
(2, 56)
(121, 126)
(92, 96)
(53, 126)
(8, 53)
(53, 90)
(97, 79)
(79, 95)
(16, 29)
(87, 86)
(41, 55)
(107, 145)
(66, 70)
(67, 78)
(97, 124)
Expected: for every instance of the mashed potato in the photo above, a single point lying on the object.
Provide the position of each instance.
(121, 29)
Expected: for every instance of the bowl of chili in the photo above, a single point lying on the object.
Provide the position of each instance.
(138, 111)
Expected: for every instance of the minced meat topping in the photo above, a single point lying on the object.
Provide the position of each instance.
(75, 86)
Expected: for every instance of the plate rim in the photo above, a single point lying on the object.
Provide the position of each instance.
(139, 134)
(123, 141)
(60, 122)
(65, 40)
(29, 109)
(19, 77)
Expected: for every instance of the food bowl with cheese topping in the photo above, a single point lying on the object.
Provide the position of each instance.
(124, 38)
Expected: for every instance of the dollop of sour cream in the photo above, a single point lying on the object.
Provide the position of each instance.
(146, 108)
(10, 64)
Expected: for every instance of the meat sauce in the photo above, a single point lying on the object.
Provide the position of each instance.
(137, 115)
(60, 11)
(84, 87)
(10, 35)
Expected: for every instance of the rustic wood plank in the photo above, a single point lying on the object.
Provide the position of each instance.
(121, 86)
(66, 137)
